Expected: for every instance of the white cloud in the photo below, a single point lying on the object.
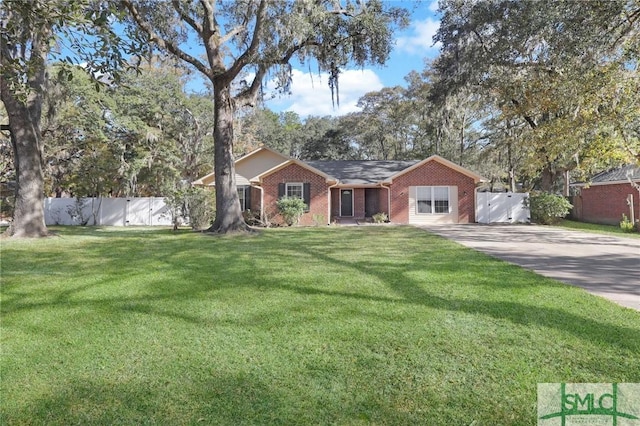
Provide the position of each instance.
(433, 6)
(420, 37)
(311, 95)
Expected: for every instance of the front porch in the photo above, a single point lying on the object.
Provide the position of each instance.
(351, 205)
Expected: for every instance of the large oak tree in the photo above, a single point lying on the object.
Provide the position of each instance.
(552, 69)
(28, 34)
(244, 42)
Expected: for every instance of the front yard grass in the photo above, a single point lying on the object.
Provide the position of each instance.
(597, 228)
(371, 325)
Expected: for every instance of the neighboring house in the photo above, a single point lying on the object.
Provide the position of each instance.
(606, 197)
(428, 191)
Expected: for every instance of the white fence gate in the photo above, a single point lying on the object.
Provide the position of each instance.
(148, 211)
(502, 207)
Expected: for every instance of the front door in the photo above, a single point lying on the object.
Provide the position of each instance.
(346, 202)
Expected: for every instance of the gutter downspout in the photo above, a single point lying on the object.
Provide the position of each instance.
(329, 202)
(388, 198)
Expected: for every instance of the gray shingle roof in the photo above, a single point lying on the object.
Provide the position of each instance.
(617, 175)
(361, 172)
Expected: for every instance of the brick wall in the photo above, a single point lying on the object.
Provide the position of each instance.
(335, 203)
(295, 173)
(255, 200)
(358, 203)
(606, 203)
(432, 173)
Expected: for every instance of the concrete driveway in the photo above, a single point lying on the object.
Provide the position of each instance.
(603, 265)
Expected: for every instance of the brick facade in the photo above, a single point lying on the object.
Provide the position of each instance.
(605, 203)
(433, 173)
(295, 173)
(255, 200)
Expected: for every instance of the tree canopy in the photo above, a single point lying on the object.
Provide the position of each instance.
(566, 71)
(244, 42)
(519, 93)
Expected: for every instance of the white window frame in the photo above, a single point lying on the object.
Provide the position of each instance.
(432, 200)
(293, 185)
(242, 198)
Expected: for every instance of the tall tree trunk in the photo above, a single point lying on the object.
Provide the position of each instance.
(547, 178)
(23, 103)
(461, 135)
(24, 125)
(228, 215)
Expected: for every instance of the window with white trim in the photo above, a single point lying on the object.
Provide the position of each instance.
(242, 198)
(294, 190)
(432, 200)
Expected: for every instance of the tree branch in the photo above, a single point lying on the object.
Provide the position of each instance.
(248, 54)
(163, 43)
(527, 118)
(234, 32)
(248, 96)
(209, 17)
(185, 17)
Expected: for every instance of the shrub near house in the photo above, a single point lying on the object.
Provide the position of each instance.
(291, 208)
(548, 209)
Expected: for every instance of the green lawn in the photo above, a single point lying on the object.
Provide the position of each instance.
(352, 325)
(597, 228)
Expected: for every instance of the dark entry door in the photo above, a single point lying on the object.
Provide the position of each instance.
(346, 202)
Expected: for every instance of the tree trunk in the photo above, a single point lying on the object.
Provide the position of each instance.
(228, 215)
(24, 122)
(547, 179)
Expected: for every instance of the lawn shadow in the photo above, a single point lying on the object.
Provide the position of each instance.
(211, 398)
(413, 292)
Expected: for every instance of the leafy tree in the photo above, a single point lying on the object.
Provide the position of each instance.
(79, 157)
(141, 137)
(255, 127)
(261, 37)
(28, 31)
(550, 72)
(324, 138)
(164, 133)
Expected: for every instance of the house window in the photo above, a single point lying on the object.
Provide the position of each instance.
(244, 195)
(241, 196)
(432, 199)
(295, 190)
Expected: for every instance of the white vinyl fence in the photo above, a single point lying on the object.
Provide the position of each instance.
(149, 211)
(502, 207)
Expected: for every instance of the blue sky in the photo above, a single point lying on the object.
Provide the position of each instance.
(311, 94)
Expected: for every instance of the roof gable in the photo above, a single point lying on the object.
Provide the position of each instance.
(476, 177)
(288, 163)
(249, 166)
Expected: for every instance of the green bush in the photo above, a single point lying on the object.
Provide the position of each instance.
(548, 208)
(380, 217)
(195, 205)
(291, 209)
(626, 225)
